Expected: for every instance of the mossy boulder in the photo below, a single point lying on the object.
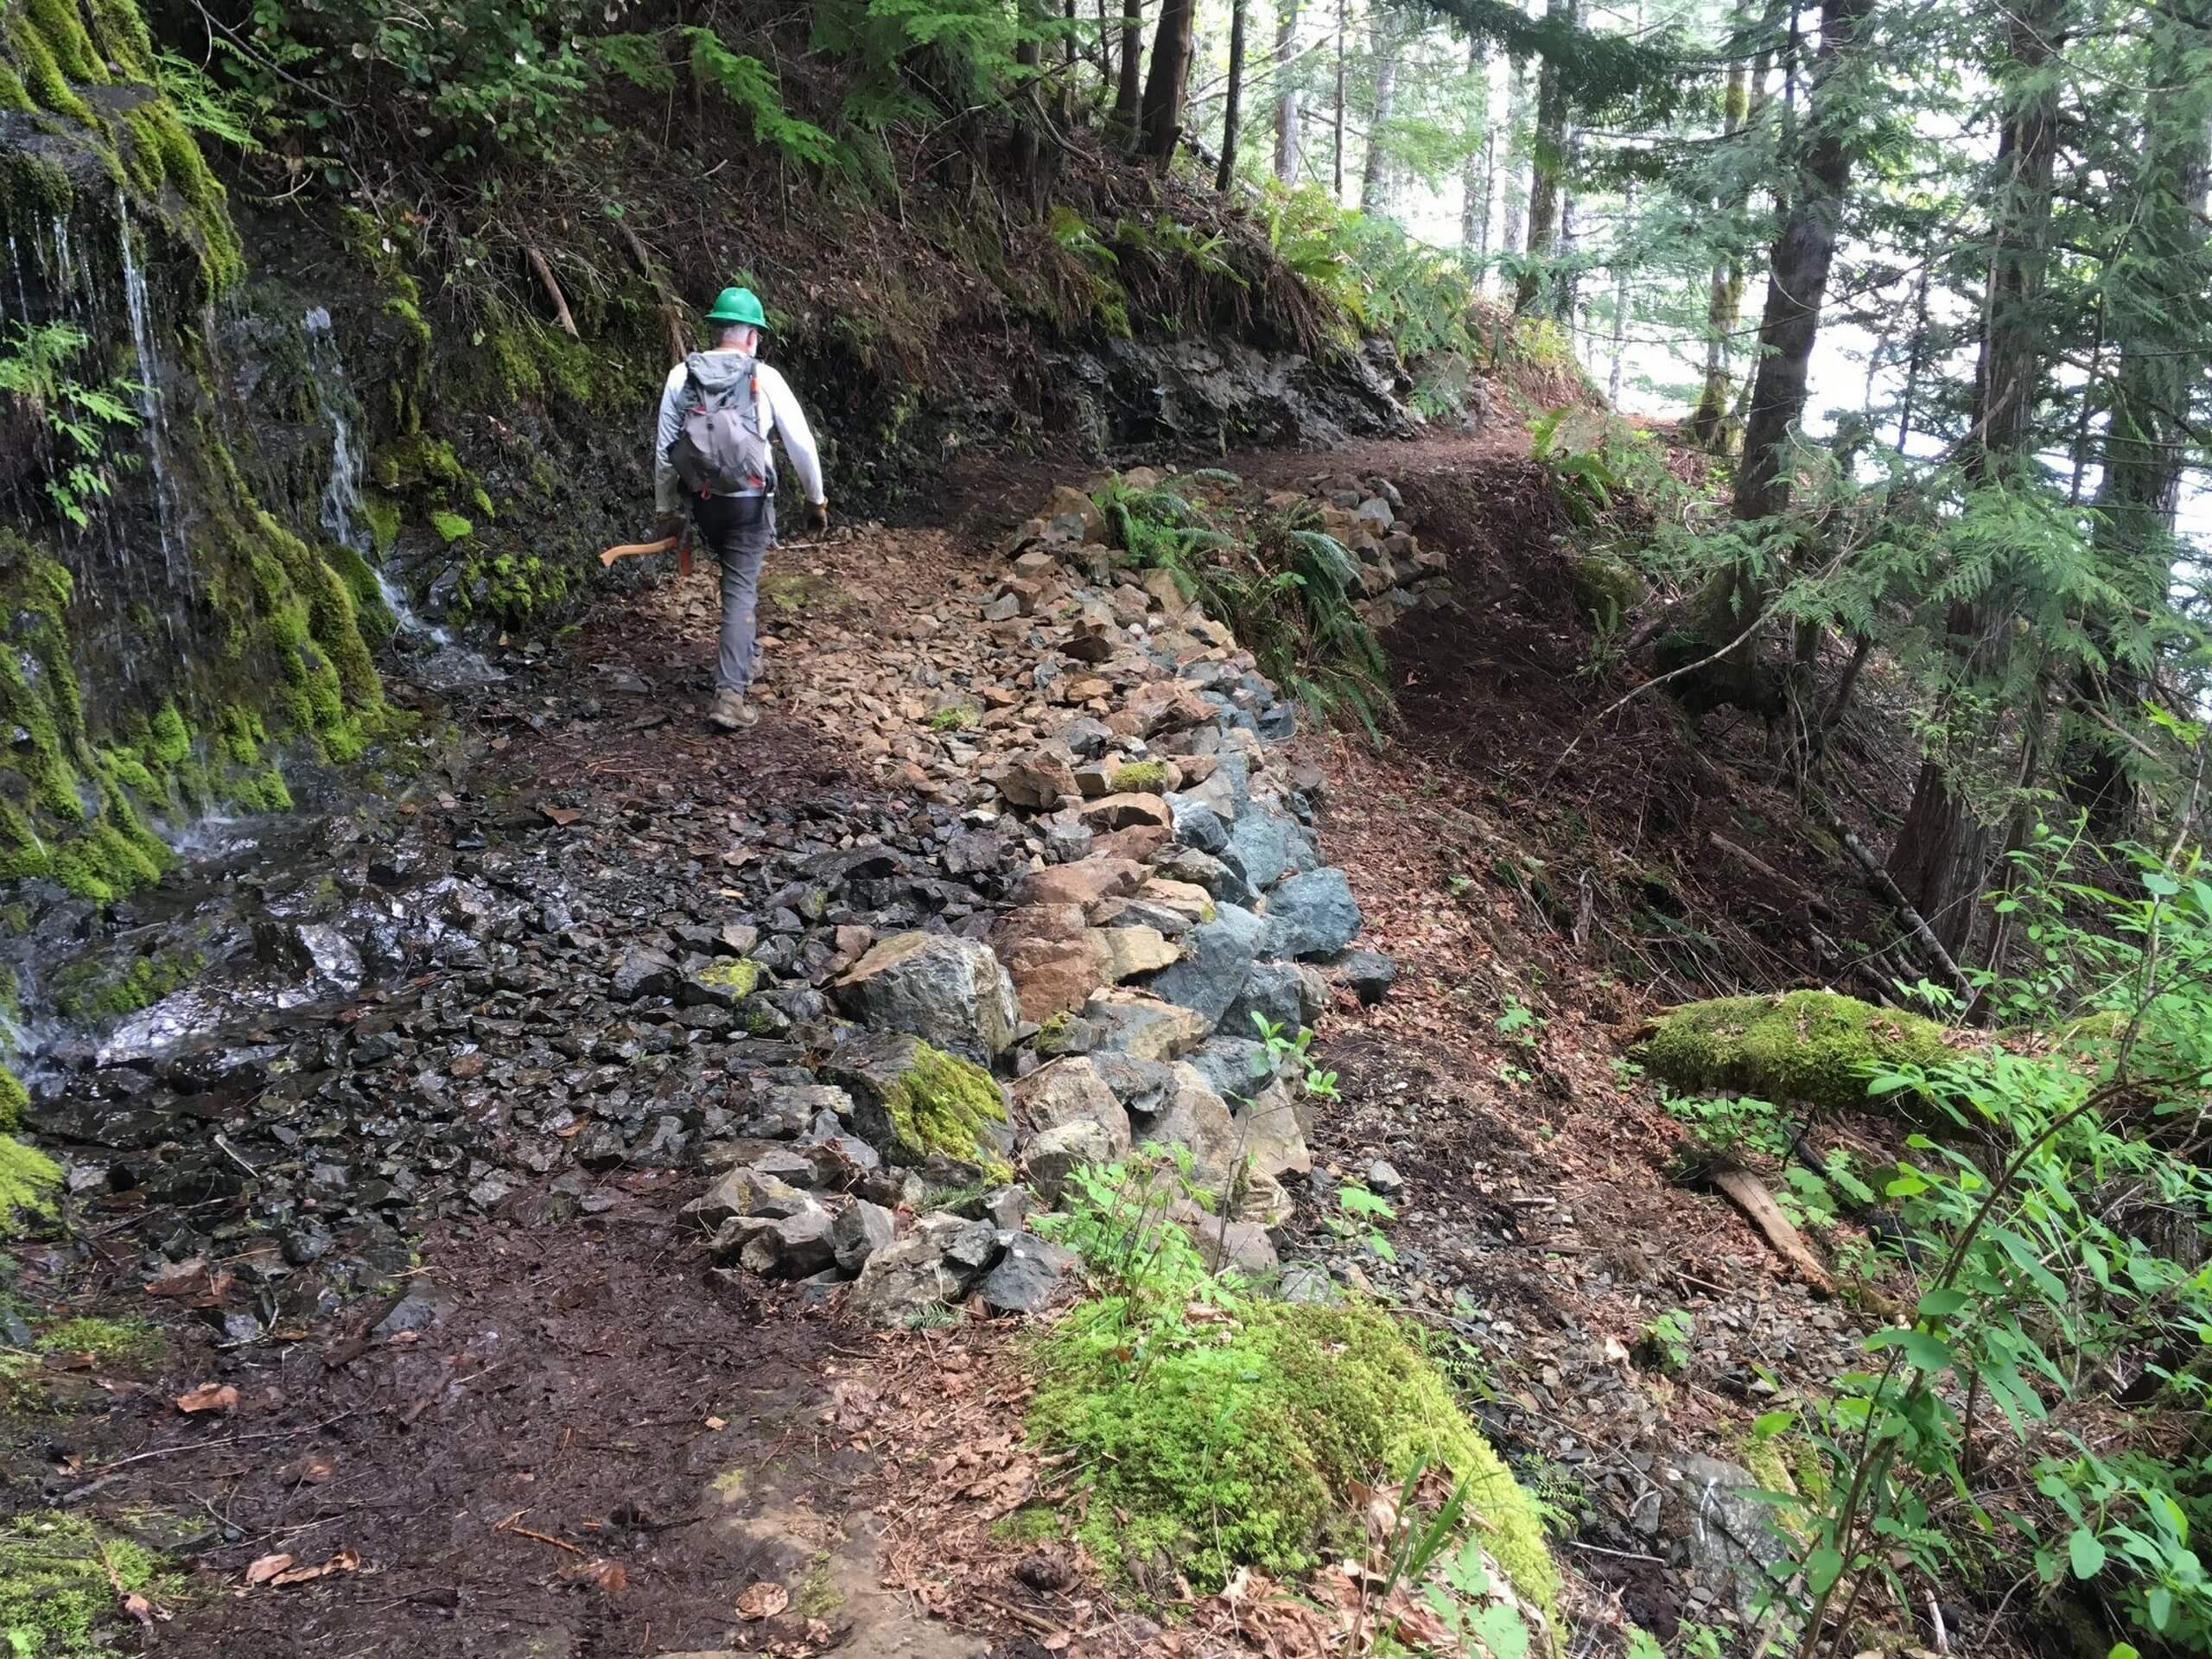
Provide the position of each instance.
(1811, 1046)
(1607, 587)
(1251, 1447)
(28, 1180)
(1140, 777)
(917, 1103)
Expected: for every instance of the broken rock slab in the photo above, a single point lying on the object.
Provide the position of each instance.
(950, 992)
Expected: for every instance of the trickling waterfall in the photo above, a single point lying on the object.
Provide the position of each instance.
(176, 556)
(447, 663)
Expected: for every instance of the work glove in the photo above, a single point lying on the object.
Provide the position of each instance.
(817, 515)
(667, 526)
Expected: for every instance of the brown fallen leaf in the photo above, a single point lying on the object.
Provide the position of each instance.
(208, 1396)
(607, 1577)
(717, 1424)
(763, 1600)
(563, 815)
(344, 1561)
(186, 1278)
(142, 1610)
(266, 1567)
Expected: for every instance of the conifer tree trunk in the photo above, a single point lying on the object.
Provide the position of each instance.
(1547, 165)
(1336, 175)
(1027, 139)
(1287, 109)
(2156, 325)
(1476, 171)
(1128, 91)
(1162, 116)
(1798, 280)
(1232, 97)
(1943, 850)
(1725, 303)
(1516, 114)
(1375, 171)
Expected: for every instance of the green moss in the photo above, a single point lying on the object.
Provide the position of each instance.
(940, 1105)
(958, 717)
(62, 1580)
(15, 1099)
(92, 989)
(1814, 1046)
(791, 592)
(381, 514)
(371, 615)
(1032, 1523)
(28, 1181)
(1248, 1444)
(1607, 587)
(739, 975)
(451, 526)
(126, 1341)
(1140, 777)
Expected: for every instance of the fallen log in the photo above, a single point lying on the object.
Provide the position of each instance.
(1749, 1194)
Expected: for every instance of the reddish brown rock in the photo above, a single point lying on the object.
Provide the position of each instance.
(1085, 883)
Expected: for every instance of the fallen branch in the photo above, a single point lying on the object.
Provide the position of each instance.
(553, 288)
(508, 1525)
(1879, 879)
(1749, 1194)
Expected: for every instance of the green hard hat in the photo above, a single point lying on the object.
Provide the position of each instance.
(738, 305)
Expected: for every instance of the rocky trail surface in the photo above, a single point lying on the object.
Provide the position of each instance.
(584, 1196)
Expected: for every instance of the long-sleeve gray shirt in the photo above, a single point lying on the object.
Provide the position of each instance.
(779, 414)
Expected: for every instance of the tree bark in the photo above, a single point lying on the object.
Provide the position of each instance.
(1943, 850)
(1162, 118)
(1337, 178)
(1232, 97)
(1725, 303)
(1513, 239)
(1797, 279)
(1476, 171)
(1547, 168)
(1287, 111)
(1375, 171)
(1027, 140)
(1128, 91)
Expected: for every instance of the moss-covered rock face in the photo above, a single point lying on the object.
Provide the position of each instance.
(149, 659)
(1247, 1449)
(1813, 1046)
(941, 1104)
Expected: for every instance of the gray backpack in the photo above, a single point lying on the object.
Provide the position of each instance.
(720, 449)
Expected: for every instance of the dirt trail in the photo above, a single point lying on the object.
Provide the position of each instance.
(569, 1438)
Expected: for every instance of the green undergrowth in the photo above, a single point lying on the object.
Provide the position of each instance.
(1283, 586)
(62, 1578)
(1811, 1046)
(1140, 777)
(1208, 1426)
(15, 1099)
(941, 1104)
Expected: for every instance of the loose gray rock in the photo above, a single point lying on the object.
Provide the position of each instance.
(1370, 973)
(1196, 824)
(1733, 1542)
(860, 1230)
(949, 992)
(1032, 1274)
(1313, 914)
(643, 972)
(1272, 990)
(791, 1247)
(1217, 959)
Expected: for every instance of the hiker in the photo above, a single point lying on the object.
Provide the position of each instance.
(717, 413)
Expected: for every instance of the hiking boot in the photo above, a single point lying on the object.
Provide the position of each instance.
(731, 712)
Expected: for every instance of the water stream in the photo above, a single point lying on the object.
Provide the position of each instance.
(439, 661)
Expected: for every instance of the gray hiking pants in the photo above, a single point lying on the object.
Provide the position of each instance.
(738, 530)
